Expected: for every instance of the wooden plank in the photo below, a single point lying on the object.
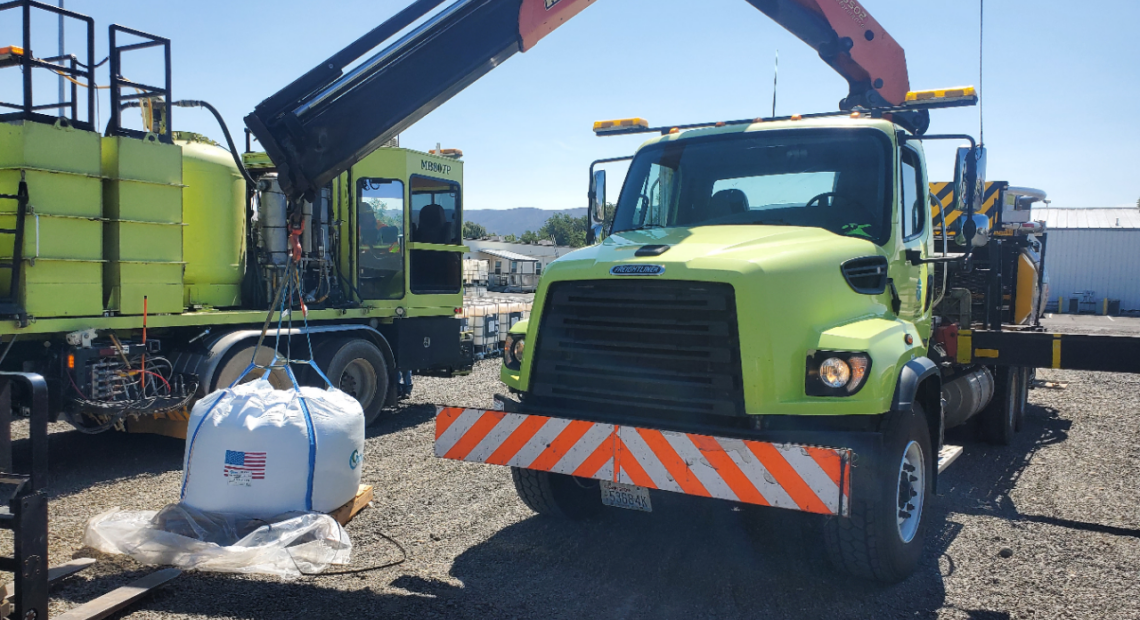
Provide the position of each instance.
(55, 573)
(120, 598)
(345, 513)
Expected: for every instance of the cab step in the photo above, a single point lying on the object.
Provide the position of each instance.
(947, 455)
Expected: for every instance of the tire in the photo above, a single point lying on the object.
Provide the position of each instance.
(557, 495)
(1025, 379)
(356, 367)
(876, 541)
(237, 360)
(999, 420)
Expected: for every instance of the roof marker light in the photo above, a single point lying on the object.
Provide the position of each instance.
(797, 117)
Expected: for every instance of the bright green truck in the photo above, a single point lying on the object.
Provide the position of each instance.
(767, 320)
(137, 265)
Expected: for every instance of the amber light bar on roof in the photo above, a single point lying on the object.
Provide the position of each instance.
(620, 124)
(942, 95)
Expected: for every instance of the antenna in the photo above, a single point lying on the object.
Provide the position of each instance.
(981, 67)
(775, 83)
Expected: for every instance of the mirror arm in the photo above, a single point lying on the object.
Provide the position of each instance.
(915, 258)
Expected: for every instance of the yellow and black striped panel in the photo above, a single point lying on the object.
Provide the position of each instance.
(944, 194)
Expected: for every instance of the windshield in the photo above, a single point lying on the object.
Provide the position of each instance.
(831, 179)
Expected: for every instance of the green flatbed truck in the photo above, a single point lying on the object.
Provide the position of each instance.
(104, 233)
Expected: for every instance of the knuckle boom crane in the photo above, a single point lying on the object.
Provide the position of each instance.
(330, 118)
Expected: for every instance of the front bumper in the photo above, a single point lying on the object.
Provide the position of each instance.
(783, 475)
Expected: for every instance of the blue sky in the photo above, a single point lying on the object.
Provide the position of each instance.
(1061, 85)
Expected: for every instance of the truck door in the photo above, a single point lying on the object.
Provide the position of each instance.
(915, 288)
(379, 244)
(436, 230)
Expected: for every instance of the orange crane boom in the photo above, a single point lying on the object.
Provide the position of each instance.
(330, 118)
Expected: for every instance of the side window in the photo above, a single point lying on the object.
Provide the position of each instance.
(912, 198)
(380, 234)
(435, 211)
(655, 201)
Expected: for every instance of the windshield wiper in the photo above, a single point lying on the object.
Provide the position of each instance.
(651, 225)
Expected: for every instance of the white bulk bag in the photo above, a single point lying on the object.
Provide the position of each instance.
(261, 452)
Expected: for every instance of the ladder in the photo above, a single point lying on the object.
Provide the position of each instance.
(10, 303)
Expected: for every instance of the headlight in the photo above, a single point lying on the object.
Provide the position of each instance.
(836, 373)
(513, 350)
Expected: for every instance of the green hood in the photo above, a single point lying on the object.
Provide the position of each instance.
(737, 248)
(789, 287)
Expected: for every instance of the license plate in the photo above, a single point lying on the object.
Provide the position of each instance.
(626, 496)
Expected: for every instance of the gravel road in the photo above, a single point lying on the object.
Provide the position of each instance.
(1062, 498)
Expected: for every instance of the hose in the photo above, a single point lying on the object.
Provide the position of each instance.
(194, 103)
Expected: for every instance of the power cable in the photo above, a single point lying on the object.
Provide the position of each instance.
(193, 103)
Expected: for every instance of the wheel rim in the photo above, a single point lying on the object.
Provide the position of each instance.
(359, 381)
(912, 491)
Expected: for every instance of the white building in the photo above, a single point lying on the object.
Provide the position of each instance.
(1095, 250)
(514, 267)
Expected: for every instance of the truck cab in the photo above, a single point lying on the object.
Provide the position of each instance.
(738, 261)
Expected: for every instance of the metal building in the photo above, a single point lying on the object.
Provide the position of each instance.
(1093, 254)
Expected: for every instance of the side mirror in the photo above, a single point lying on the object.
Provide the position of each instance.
(970, 179)
(597, 207)
(598, 197)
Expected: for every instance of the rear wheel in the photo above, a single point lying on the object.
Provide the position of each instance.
(999, 420)
(357, 368)
(238, 360)
(557, 495)
(882, 538)
(1026, 379)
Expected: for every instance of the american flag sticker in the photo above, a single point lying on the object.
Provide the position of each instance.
(242, 468)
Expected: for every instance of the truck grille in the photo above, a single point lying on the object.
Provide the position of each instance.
(661, 350)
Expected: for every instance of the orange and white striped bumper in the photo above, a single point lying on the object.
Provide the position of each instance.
(789, 476)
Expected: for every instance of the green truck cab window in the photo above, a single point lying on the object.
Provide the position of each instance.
(838, 180)
(380, 238)
(913, 201)
(435, 211)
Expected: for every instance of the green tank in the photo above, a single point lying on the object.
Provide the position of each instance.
(214, 212)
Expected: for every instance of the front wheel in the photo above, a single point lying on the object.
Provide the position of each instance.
(557, 495)
(882, 538)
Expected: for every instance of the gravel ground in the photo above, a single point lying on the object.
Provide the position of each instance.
(1062, 498)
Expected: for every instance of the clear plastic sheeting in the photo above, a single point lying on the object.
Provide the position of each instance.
(288, 546)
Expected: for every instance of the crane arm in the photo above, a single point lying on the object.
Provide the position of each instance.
(339, 112)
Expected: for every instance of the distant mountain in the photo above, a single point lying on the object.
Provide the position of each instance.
(515, 221)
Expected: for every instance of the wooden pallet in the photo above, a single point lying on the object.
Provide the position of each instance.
(347, 512)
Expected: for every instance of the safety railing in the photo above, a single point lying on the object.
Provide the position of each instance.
(24, 56)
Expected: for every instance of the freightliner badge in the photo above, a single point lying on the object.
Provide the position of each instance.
(637, 270)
